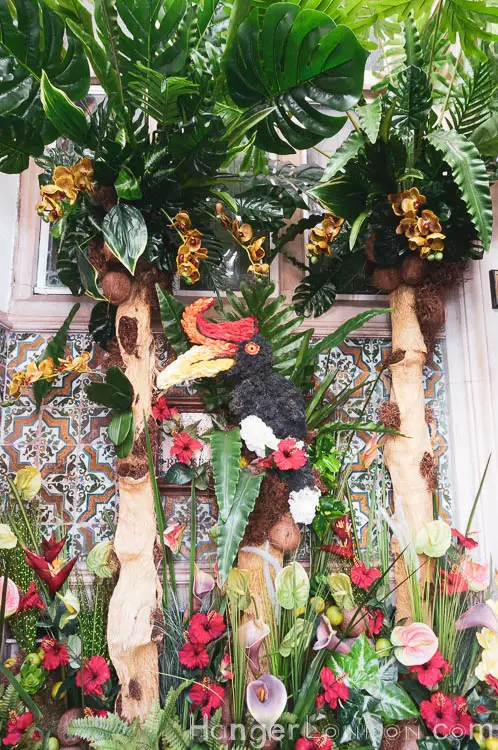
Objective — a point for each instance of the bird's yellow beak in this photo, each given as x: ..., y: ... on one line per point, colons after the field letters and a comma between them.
x: 198, y: 362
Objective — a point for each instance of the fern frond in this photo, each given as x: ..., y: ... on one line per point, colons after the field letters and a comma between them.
x: 98, y: 730
x: 470, y: 104
x: 8, y: 702
x: 157, y: 95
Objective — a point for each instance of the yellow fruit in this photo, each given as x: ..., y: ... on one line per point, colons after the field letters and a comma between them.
x: 318, y: 604
x: 491, y: 743
x: 335, y: 615
x: 56, y: 695
x: 53, y: 744
x: 383, y: 646
x: 34, y: 659
x: 479, y: 737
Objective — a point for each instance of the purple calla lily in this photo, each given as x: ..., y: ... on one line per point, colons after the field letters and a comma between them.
x: 479, y: 616
x: 266, y: 700
x: 251, y: 635
x: 326, y: 638
x: 204, y: 583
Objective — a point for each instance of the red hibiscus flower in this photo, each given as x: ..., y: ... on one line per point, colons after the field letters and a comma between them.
x: 342, y: 528
x: 30, y: 599
x: 289, y: 456
x: 95, y: 673
x: 453, y: 582
x: 320, y: 701
x: 208, y: 696
x: 466, y: 541
x: 16, y: 726
x: 161, y: 410
x: 334, y: 689
x: 492, y: 681
x: 430, y: 673
x: 362, y: 576
x: 317, y: 742
x: 205, y: 628
x: 193, y: 656
x: 184, y: 446
x: 54, y: 654
x: 465, y: 722
x: 340, y: 549
x: 439, y: 714
x: 375, y: 621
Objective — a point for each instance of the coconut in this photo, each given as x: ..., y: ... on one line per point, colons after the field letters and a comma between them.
x: 429, y: 307
x: 116, y: 286
x: 360, y: 622
x: 403, y: 735
x: 285, y: 535
x: 387, y: 279
x: 67, y: 717
x: 413, y: 270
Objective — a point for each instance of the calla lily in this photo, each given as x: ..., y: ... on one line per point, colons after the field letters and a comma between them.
x: 415, y: 644
x: 326, y: 637
x: 8, y: 539
x: 173, y: 535
x: 72, y: 608
x: 266, y: 700
x: 12, y: 597
x: 204, y: 583
x: 53, y: 573
x: 479, y: 616
x: 251, y: 635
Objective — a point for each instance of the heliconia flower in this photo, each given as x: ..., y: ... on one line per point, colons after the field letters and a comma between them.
x: 193, y: 656
x: 430, y: 673
x: 415, y: 644
x: 54, y: 575
x: 207, y: 695
x: 51, y: 547
x: 251, y: 636
x: 96, y: 672
x: 55, y: 654
x: 364, y: 577
x: 370, y: 453
x: 28, y: 482
x: 31, y: 599
x: 433, y: 539
x: 204, y: 628
x: 184, y: 446
x: 476, y: 574
x: 266, y: 700
x: 326, y: 637
x: 204, y: 583
x: 479, y: 616
x: 161, y: 411
x: 466, y: 541
x: 316, y: 742
x: 225, y: 667
x: 173, y: 535
x: 16, y: 726
x: 12, y: 597
x: 8, y: 539
x: 342, y: 528
x: 289, y: 456
x: 341, y: 548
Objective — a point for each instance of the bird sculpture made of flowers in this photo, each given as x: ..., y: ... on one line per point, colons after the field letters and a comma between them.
x: 269, y: 408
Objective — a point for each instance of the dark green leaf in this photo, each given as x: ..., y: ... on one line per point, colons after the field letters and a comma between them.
x: 125, y: 234
x: 178, y: 474
x: 346, y: 151
x: 67, y: 118
x: 171, y: 311
x: 370, y: 116
x: 485, y: 137
x: 120, y: 426
x: 314, y: 295
x: 344, y: 195
x: 226, y: 448
x: 124, y: 449
x: 127, y: 185
x: 337, y: 337
x: 413, y: 98
x: 434, y: 743
x: 107, y: 395
x: 116, y: 377
x: 102, y: 325
x: 18, y: 141
x: 56, y: 349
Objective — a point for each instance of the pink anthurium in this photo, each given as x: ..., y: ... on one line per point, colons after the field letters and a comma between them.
x: 266, y: 700
x: 415, y: 644
x: 251, y: 636
x: 479, y: 616
x: 326, y: 638
x: 173, y: 535
x: 12, y: 597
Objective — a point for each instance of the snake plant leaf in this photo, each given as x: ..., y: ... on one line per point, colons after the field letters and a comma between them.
x: 469, y: 174
x: 226, y: 448
x: 296, y: 60
x: 32, y: 40
x: 18, y: 141
x: 232, y: 530
x: 125, y: 234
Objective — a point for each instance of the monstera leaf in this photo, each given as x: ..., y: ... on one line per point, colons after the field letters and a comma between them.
x: 32, y: 40
x: 18, y: 141
x: 298, y: 61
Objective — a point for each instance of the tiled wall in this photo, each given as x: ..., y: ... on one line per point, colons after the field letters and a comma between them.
x: 67, y: 439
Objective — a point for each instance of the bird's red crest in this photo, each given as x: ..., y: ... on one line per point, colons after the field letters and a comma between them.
x: 201, y: 331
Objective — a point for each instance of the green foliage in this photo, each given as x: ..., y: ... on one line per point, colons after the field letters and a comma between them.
x: 69, y: 120
x: 9, y: 701
x: 370, y: 116
x: 314, y: 295
x: 469, y: 173
x: 226, y: 447
x: 92, y: 617
x: 158, y: 95
x: 171, y: 311
x: 294, y: 59
x: 125, y: 234
x: 55, y: 349
x: 32, y: 41
x: 350, y: 147
x: 412, y: 96
x: 19, y: 140
x: 470, y: 103
x: 102, y: 324
x: 485, y: 137
x: 116, y: 393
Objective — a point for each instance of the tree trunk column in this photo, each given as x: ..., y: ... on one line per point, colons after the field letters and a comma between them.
x: 405, y: 457
x: 136, y: 598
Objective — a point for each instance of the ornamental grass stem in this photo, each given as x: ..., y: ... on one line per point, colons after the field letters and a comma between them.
x: 193, y: 542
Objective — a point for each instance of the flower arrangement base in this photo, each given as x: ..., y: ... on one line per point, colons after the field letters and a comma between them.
x: 402, y: 736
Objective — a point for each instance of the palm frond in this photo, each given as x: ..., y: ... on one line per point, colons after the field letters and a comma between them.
x: 158, y: 95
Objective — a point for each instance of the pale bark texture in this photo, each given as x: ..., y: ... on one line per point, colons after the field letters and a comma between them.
x: 403, y: 455
x: 261, y: 607
x: 134, y: 605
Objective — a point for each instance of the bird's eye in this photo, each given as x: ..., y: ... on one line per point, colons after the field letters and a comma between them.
x: 252, y: 348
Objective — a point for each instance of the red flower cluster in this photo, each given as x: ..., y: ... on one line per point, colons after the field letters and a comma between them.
x: 445, y: 715
x: 493, y: 682
x: 466, y: 541
x: 317, y: 742
x: 96, y: 672
x: 362, y: 576
x: 342, y: 549
x: 161, y: 410
x: 430, y: 673
x: 375, y: 621
x: 453, y: 582
x: 16, y: 726
x: 203, y: 628
x: 55, y: 654
x: 184, y: 446
x: 208, y: 696
x: 342, y: 528
x: 334, y: 689
x: 288, y: 457
x: 30, y: 599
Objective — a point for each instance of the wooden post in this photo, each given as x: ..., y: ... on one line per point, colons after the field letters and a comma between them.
x: 136, y: 599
